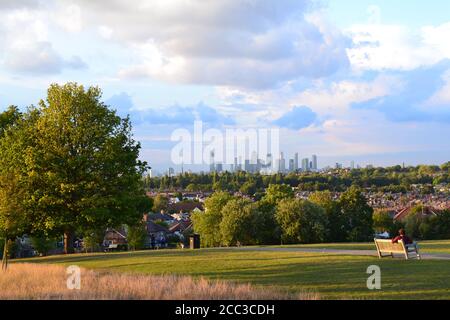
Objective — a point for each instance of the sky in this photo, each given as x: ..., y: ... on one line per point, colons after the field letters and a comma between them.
x: 360, y: 80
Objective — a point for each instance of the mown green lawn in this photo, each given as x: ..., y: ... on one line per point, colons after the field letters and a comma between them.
x: 332, y: 276
x: 438, y: 246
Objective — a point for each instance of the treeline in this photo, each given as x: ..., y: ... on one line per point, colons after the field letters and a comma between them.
x: 392, y: 179
x: 416, y: 224
x: 279, y: 217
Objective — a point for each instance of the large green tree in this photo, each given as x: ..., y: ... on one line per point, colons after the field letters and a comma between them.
x: 160, y: 203
x: 266, y: 228
x: 277, y: 192
x: 136, y: 235
x: 14, y: 138
x: 384, y: 222
x: 82, y: 164
x: 301, y: 221
x: 237, y: 226
x: 207, y: 223
x: 8, y: 118
x: 336, y: 225
x: 357, y: 221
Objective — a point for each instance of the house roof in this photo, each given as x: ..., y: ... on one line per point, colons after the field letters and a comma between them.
x: 159, y: 216
x: 406, y: 211
x: 180, y: 226
x: 152, y: 227
x: 185, y: 206
x: 120, y: 232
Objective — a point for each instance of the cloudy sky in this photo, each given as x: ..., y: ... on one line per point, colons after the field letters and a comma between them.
x: 358, y: 80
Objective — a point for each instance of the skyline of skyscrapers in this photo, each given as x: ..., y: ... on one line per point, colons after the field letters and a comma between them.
x: 269, y: 165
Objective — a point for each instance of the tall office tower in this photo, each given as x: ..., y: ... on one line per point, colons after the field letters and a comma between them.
x: 247, y: 166
x: 352, y: 165
x: 291, y: 165
x: 276, y: 165
x: 212, y: 166
x: 282, y: 163
x: 239, y: 168
x: 219, y: 167
x: 314, y: 162
x: 236, y: 168
x: 254, y: 162
x: 254, y: 159
x: 296, y: 167
x: 305, y: 164
x: 171, y: 172
x: 269, y: 160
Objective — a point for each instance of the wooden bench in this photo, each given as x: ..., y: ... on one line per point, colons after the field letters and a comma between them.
x: 388, y: 248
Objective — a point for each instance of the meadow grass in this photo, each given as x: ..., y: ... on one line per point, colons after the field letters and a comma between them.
x: 332, y: 276
x: 49, y: 282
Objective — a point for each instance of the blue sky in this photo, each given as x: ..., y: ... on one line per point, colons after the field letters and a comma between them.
x: 347, y: 80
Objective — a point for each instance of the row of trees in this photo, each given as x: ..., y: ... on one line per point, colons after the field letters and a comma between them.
x: 280, y: 217
x: 416, y: 224
x: 69, y: 165
x: 392, y: 179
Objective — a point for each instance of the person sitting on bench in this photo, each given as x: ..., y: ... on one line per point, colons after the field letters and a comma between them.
x: 402, y: 236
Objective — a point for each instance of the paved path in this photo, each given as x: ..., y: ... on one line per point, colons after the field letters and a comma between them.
x: 426, y: 256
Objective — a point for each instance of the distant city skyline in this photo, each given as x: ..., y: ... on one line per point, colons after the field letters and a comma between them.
x: 328, y: 164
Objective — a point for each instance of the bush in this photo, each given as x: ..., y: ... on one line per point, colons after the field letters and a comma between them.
x: 136, y: 236
x: 43, y: 244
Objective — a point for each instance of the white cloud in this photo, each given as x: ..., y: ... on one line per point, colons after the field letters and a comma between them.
x: 336, y: 98
x: 35, y: 57
x: 440, y: 100
x: 383, y: 47
x: 68, y: 17
x: 25, y: 43
x: 224, y: 42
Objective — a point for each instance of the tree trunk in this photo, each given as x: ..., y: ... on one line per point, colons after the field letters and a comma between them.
x: 5, y: 255
x: 68, y: 242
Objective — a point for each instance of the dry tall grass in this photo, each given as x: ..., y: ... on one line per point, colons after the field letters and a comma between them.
x: 48, y: 282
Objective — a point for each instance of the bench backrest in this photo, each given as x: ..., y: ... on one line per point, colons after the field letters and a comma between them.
x: 387, y: 246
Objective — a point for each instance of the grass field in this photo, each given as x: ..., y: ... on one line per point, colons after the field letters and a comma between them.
x: 332, y: 276
x: 440, y: 246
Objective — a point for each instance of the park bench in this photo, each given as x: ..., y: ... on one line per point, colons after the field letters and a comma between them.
x: 385, y: 248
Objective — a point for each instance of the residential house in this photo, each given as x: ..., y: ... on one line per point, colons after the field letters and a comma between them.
x: 115, y: 237
x: 405, y: 212
x: 156, y: 234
